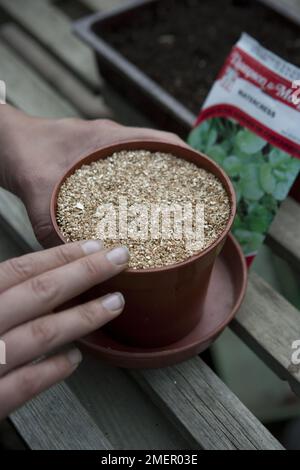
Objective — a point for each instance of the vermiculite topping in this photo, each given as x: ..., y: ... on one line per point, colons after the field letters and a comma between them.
x: 123, y: 192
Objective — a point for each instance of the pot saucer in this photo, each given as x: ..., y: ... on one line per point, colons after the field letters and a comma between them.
x: 224, y: 297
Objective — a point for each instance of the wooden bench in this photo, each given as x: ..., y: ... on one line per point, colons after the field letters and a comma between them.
x: 182, y: 407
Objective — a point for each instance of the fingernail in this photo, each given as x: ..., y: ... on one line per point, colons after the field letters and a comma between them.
x: 92, y: 246
x: 113, y: 302
x: 75, y: 357
x: 118, y: 255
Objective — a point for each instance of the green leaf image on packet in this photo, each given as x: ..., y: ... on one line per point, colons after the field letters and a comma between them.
x: 250, y: 125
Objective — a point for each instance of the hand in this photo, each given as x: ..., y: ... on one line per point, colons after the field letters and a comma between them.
x: 40, y: 150
x: 32, y: 287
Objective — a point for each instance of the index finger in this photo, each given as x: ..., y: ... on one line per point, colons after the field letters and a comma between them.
x: 18, y: 270
x: 42, y: 294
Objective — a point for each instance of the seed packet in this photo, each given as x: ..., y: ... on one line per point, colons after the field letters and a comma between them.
x: 250, y: 125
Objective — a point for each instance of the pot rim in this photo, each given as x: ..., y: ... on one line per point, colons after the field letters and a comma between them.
x: 110, y: 149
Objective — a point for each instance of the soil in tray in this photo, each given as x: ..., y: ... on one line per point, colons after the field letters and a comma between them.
x: 182, y: 44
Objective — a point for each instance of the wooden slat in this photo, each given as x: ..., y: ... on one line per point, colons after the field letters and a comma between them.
x: 9, y: 248
x: 57, y: 75
x: 284, y: 234
x: 56, y: 420
x: 104, y: 5
x: 288, y: 8
x: 269, y: 325
x: 53, y: 29
x: 204, y: 409
x: 27, y: 91
x: 124, y: 413
x: 14, y: 215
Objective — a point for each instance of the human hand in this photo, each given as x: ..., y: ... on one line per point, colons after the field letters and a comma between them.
x: 31, y: 288
x: 40, y: 150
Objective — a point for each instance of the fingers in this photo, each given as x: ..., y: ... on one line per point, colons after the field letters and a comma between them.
x: 151, y: 134
x: 45, y: 334
x: 43, y: 228
x: 17, y: 270
x: 136, y: 133
x: 22, y: 385
x: 105, y: 132
x: 42, y: 294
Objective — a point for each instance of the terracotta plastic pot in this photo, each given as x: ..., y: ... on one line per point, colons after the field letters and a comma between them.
x: 162, y: 304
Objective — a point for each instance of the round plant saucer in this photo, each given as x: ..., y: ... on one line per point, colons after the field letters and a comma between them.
x: 226, y: 291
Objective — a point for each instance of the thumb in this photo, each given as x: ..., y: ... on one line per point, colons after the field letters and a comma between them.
x: 44, y: 231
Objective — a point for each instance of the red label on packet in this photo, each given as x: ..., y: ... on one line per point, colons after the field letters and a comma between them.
x: 250, y: 125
